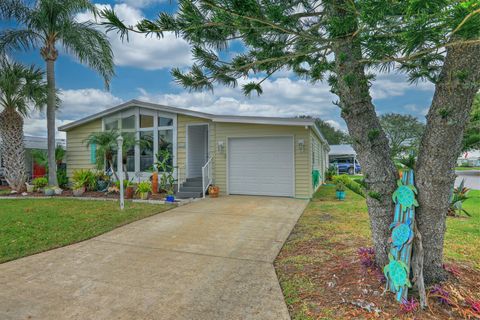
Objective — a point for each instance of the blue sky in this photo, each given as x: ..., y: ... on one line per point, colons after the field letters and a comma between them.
x: 143, y: 72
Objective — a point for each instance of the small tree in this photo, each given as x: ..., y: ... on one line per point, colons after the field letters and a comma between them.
x: 20, y: 87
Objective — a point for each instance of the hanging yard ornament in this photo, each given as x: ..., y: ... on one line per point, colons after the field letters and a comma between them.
x: 397, y: 271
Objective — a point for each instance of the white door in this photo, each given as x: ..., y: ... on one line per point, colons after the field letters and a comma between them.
x: 197, y: 149
x: 261, y: 166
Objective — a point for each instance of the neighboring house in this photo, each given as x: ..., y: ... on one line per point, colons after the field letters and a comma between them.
x: 469, y: 158
x: 32, y: 143
x: 241, y: 155
x: 343, y: 156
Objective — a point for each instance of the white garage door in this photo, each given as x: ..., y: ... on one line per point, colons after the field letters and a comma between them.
x: 261, y: 166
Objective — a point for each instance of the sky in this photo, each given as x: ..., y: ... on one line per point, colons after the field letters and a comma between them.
x: 143, y: 67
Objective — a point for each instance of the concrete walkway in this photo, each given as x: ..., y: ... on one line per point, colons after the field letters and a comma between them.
x: 211, y: 259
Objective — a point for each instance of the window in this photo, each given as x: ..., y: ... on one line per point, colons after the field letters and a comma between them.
x: 128, y: 122
x: 165, y: 142
x: 146, y: 150
x: 146, y: 121
x: 111, y: 124
x: 165, y: 122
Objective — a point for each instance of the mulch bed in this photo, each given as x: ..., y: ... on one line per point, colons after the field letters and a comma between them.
x: 346, y: 285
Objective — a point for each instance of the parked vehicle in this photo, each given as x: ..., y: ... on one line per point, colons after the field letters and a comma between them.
x: 346, y: 166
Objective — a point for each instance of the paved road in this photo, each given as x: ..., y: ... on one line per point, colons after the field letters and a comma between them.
x: 210, y: 259
x: 472, y: 179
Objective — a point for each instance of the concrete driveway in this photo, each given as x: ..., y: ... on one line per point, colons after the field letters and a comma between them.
x: 211, y: 259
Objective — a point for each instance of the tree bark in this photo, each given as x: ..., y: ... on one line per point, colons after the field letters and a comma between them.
x: 51, y: 108
x: 13, y: 148
x: 439, y: 148
x: 370, y: 141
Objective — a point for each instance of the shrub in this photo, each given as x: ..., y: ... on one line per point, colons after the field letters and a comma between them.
x: 459, y: 195
x: 144, y: 187
x: 350, y: 184
x: 85, y: 178
x: 331, y: 171
x: 62, y: 178
x: 40, y: 183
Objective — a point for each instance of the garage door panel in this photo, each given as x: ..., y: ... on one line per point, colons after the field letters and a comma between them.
x: 261, y: 166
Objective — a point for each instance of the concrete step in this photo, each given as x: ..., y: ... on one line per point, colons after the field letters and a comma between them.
x: 188, y: 195
x: 190, y: 189
x: 194, y: 179
x: 195, y: 184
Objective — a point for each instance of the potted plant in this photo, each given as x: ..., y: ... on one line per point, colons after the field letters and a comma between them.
x: 340, y: 190
x: 78, y: 189
x: 129, y: 190
x: 167, y: 180
x: 49, y: 191
x: 143, y: 189
x: 213, y: 191
x: 40, y: 183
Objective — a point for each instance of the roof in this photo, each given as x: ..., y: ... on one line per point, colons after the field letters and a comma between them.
x: 209, y: 116
x: 34, y: 142
x: 341, y: 150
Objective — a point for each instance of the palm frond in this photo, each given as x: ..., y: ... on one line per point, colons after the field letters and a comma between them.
x: 19, y: 39
x: 14, y: 9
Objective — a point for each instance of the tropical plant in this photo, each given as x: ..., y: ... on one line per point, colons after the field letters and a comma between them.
x: 62, y: 177
x: 330, y: 172
x: 84, y: 178
x: 342, y: 41
x: 144, y: 187
x: 40, y: 183
x: 459, y: 195
x: 340, y: 186
x: 20, y: 87
x: 59, y: 155
x: 45, y: 23
x: 40, y: 157
x: 163, y: 165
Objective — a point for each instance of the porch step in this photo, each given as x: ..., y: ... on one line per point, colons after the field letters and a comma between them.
x: 190, y: 189
x: 188, y: 195
x: 194, y: 179
x: 194, y: 184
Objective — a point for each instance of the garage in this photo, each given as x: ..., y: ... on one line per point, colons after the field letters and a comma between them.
x: 261, y: 166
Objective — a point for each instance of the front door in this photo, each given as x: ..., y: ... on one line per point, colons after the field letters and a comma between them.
x: 197, y: 149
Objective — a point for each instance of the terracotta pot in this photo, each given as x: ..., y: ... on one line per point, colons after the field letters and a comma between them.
x: 155, y: 182
x: 129, y: 191
x: 213, y: 191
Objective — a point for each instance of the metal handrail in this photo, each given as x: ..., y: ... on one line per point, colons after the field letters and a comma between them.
x: 206, y: 173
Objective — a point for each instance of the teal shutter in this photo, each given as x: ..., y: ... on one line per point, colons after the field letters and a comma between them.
x: 93, y: 153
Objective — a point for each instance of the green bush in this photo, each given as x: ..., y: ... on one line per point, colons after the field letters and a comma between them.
x: 40, y: 183
x: 85, y: 178
x: 350, y: 184
x: 144, y: 187
x: 62, y: 177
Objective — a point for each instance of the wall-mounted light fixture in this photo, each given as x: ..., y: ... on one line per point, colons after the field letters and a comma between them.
x: 220, y: 146
x: 301, y: 145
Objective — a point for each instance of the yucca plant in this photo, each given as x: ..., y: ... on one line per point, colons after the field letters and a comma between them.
x: 459, y: 195
x: 20, y: 88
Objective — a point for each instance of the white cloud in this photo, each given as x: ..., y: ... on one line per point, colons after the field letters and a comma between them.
x: 395, y: 85
x: 149, y: 53
x: 334, y: 124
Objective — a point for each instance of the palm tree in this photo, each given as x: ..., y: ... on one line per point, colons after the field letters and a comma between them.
x: 20, y: 87
x: 46, y: 24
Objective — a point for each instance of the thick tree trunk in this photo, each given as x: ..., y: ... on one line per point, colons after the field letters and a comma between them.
x: 370, y: 141
x: 439, y: 149
x: 13, y: 148
x: 51, y: 108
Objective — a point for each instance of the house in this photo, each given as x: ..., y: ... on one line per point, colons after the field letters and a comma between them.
x: 240, y: 154
x: 344, y: 158
x: 469, y: 159
x: 33, y: 169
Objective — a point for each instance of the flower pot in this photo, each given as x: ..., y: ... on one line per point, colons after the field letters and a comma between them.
x: 78, y: 192
x: 30, y: 188
x: 341, y: 195
x: 129, y: 191
x: 213, y: 191
x: 170, y: 198
x: 49, y: 192
x: 102, y: 185
x: 144, y: 195
x: 58, y: 191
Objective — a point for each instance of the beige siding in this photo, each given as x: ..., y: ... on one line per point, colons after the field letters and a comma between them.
x: 223, y: 131
x: 78, y: 155
x: 320, y: 154
x: 182, y: 122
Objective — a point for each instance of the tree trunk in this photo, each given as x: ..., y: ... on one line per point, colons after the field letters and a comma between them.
x: 51, y: 108
x: 370, y: 141
x: 13, y: 148
x: 439, y: 149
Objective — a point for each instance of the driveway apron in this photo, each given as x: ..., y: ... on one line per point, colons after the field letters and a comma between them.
x: 210, y: 259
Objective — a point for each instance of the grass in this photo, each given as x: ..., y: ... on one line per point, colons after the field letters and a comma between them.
x: 29, y: 226
x: 466, y: 168
x: 331, y: 230
x: 4, y: 192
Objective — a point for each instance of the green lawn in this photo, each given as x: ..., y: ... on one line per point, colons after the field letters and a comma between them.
x: 29, y: 226
x: 466, y: 168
